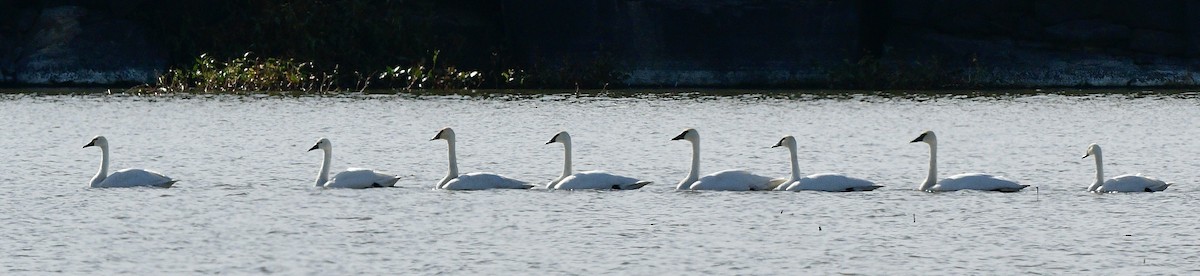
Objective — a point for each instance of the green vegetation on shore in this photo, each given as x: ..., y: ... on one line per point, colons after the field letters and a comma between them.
x: 323, y: 46
x: 250, y: 73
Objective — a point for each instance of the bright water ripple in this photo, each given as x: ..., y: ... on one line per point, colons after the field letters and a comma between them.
x: 245, y: 205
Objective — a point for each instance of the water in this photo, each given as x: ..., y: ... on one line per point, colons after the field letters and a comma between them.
x: 245, y: 204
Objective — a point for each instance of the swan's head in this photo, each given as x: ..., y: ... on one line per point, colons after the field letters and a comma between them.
x: 1093, y: 149
x: 322, y: 144
x: 787, y: 141
x: 561, y: 137
x: 928, y: 137
x: 98, y: 141
x: 688, y: 134
x: 445, y: 134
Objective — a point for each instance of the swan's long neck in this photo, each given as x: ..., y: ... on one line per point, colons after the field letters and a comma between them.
x: 931, y: 179
x: 566, y: 164
x: 103, y: 173
x: 1099, y: 173
x: 323, y: 176
x: 452, y: 172
x: 694, y: 174
x: 795, y: 164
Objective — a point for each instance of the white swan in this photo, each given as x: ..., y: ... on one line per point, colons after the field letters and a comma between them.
x: 1124, y: 183
x: 126, y: 177
x: 966, y: 181
x: 588, y: 179
x: 352, y: 178
x: 727, y: 180
x: 829, y: 182
x: 472, y: 181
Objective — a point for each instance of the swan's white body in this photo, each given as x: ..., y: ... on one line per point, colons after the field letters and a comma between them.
x: 1128, y: 183
x: 730, y: 180
x: 829, y: 182
x: 966, y: 181
x: 126, y: 177
x: 600, y: 180
x: 483, y: 181
x: 132, y: 177
x: 352, y: 178
x: 472, y: 181
x: 727, y: 180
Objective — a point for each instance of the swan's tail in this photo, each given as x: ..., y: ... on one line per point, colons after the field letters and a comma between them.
x: 634, y: 186
x: 391, y: 182
x: 867, y: 188
x: 1158, y: 188
x: 1011, y: 190
x: 774, y: 184
x: 172, y: 182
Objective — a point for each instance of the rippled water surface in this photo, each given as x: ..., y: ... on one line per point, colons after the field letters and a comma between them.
x: 245, y: 202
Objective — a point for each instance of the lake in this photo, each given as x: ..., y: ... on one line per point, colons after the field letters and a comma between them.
x: 245, y: 203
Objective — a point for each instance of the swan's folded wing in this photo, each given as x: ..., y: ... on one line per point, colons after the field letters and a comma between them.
x: 1132, y: 183
x: 832, y: 182
x: 732, y: 180
x: 978, y: 181
x: 483, y: 181
x: 354, y: 178
x: 135, y: 178
x: 598, y: 180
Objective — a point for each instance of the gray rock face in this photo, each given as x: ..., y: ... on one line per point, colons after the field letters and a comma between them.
x: 70, y: 45
x: 1157, y: 42
x: 1089, y: 33
x: 691, y: 43
x: 1192, y: 28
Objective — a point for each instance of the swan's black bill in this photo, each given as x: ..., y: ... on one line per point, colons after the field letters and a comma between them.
x: 680, y: 136
x: 780, y: 144
x: 554, y: 139
x: 314, y: 147
x: 919, y: 138
x: 438, y: 136
x: 93, y: 143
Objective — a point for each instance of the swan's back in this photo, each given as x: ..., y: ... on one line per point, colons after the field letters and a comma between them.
x: 599, y: 180
x: 1131, y: 183
x: 831, y: 182
x: 977, y: 181
x: 733, y: 180
x: 484, y: 181
x: 136, y: 178
x: 358, y: 178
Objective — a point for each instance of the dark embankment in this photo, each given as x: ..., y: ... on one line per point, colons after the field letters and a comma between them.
x: 874, y: 44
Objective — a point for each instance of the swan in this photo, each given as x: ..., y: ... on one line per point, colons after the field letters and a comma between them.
x: 353, y: 178
x: 829, y: 182
x: 966, y: 181
x: 727, y: 180
x: 472, y: 181
x: 1124, y: 183
x: 126, y: 177
x: 587, y: 179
